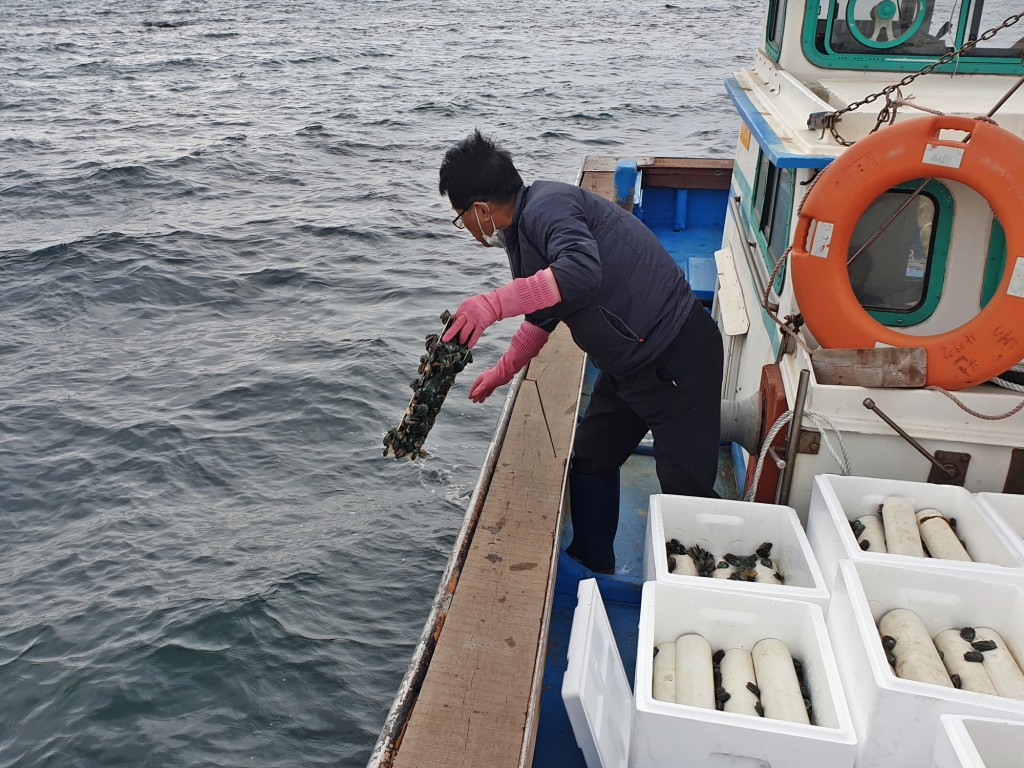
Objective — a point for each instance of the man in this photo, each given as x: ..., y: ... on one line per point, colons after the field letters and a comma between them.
x: 580, y: 259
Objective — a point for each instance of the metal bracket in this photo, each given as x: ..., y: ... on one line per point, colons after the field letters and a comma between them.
x: 787, y: 342
x: 1015, y: 474
x: 809, y: 441
x: 951, y: 468
x: 819, y: 121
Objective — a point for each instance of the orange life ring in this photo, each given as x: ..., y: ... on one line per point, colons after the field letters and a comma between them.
x: 992, y: 163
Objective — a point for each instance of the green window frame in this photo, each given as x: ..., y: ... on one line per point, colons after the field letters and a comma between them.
x: 776, y: 23
x: 771, y: 209
x: 995, y: 262
x: 817, y: 35
x: 768, y: 216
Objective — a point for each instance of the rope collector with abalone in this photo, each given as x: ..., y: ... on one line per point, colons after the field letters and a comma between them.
x: 437, y: 371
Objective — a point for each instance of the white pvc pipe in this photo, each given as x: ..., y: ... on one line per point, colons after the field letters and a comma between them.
x: 777, y: 680
x: 973, y: 676
x: 916, y: 656
x: 695, y: 676
x: 766, y: 575
x: 684, y: 565
x: 901, y: 534
x: 721, y: 573
x: 664, y: 672
x: 1001, y: 666
x: 939, y: 537
x: 873, y: 533
x: 737, y: 668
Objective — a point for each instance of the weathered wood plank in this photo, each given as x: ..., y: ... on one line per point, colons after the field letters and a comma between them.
x: 600, y: 183
x: 693, y: 177
x: 472, y: 708
x: 674, y: 173
x: 882, y: 367
x: 607, y: 163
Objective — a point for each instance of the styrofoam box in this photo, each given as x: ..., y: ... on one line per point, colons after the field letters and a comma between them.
x: 897, y: 720
x: 668, y: 734
x: 1007, y: 513
x: 837, y: 500
x: 979, y: 742
x: 722, y: 526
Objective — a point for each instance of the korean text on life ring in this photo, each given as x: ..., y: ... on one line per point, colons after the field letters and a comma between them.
x: 992, y: 163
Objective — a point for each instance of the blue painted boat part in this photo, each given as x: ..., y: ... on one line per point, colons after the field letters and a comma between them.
x: 626, y: 175
x: 767, y: 138
x: 689, y: 223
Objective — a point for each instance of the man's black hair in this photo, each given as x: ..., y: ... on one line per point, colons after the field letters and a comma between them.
x: 477, y: 169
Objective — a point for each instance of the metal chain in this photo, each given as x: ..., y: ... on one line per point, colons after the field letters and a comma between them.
x: 886, y: 114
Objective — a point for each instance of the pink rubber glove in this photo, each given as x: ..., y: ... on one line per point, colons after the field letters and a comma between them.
x: 520, y: 297
x: 526, y: 343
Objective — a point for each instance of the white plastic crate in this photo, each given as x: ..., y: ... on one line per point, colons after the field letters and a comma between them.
x: 722, y: 526
x: 664, y: 735
x: 978, y: 742
x: 837, y: 500
x: 897, y: 720
x: 730, y: 620
x: 1007, y: 513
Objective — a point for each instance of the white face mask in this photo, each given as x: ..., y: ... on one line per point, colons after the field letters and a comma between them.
x: 496, y: 238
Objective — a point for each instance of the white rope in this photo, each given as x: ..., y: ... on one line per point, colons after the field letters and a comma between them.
x: 1007, y: 384
x: 977, y: 414
x: 906, y: 102
x: 840, y: 456
x: 1018, y: 368
x: 782, y: 421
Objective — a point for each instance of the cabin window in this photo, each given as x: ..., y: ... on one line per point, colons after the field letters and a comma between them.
x: 773, y: 32
x: 773, y: 202
x: 897, y: 276
x: 904, y: 34
x: 988, y: 15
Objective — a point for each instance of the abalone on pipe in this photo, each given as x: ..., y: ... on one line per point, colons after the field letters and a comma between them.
x: 437, y: 371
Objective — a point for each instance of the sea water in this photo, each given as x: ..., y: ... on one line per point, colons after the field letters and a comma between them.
x: 221, y: 246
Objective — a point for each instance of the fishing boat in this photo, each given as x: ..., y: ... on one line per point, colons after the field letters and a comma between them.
x: 861, y: 254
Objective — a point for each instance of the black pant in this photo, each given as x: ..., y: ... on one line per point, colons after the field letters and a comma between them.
x: 678, y: 398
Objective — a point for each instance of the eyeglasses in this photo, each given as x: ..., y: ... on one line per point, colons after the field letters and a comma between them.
x: 457, y: 221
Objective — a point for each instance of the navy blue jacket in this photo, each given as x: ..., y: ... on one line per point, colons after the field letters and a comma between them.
x: 623, y: 297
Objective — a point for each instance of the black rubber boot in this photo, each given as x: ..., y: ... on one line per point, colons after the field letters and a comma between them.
x: 594, y: 500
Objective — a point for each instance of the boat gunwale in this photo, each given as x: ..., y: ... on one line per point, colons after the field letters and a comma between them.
x: 390, y: 738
